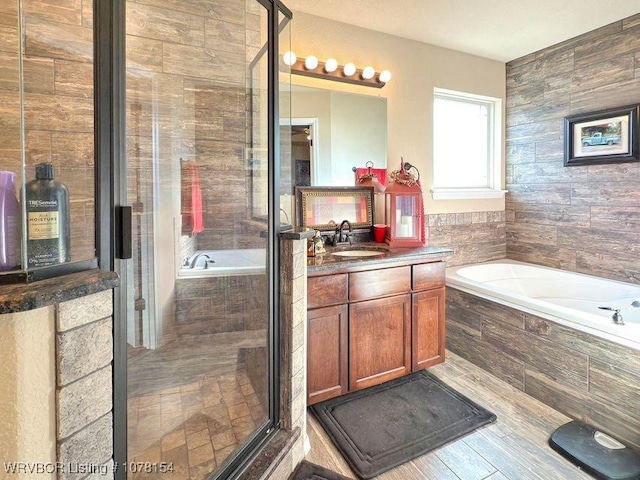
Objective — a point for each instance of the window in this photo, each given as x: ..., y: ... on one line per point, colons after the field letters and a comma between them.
x: 467, y: 153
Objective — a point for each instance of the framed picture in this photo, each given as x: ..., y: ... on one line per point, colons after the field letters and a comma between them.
x: 608, y: 136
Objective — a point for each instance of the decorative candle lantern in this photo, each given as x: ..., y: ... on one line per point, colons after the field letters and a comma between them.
x: 370, y: 179
x: 404, y: 209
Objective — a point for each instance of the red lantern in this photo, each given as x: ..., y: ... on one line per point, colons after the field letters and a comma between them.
x: 370, y: 179
x: 404, y: 209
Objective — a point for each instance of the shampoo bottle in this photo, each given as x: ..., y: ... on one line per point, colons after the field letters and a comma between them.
x: 10, y: 224
x: 47, y: 219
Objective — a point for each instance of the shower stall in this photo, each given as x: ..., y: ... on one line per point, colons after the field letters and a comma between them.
x: 204, y: 119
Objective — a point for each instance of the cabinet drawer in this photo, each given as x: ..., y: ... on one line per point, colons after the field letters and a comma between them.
x: 428, y: 275
x: 379, y: 283
x: 327, y: 290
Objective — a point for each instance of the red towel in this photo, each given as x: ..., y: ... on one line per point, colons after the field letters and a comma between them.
x: 380, y: 173
x: 191, y: 202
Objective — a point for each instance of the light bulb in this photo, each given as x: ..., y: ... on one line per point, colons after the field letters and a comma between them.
x: 349, y: 69
x: 368, y: 73
x: 385, y: 76
x: 331, y: 65
x: 311, y: 62
x: 289, y: 58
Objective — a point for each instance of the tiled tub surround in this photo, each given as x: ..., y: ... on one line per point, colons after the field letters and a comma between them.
x: 220, y: 304
x: 57, y: 348
x: 473, y: 236
x: 579, y: 374
x: 583, y: 218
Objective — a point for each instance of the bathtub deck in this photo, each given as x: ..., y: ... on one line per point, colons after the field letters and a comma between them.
x: 514, y: 447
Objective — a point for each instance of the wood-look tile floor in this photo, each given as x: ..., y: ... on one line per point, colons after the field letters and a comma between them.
x: 514, y: 447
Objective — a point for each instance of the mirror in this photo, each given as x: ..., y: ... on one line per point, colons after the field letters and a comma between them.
x: 332, y: 132
x: 324, y: 208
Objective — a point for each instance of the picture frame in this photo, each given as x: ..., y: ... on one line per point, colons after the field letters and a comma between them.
x: 606, y: 136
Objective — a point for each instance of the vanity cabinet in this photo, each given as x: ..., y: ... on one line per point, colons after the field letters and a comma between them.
x: 368, y: 326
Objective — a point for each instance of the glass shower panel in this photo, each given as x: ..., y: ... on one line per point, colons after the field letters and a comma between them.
x: 287, y: 166
x: 198, y: 304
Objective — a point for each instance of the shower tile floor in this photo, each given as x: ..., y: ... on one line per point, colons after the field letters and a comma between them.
x: 192, y: 422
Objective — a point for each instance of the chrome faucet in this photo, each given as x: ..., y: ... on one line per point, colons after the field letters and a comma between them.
x: 194, y: 260
x: 342, y: 237
x: 616, y: 317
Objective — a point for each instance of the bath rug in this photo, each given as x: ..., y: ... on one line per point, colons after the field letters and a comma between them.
x: 311, y: 471
x: 381, y: 427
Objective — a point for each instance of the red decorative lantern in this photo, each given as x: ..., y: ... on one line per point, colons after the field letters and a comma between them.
x: 370, y: 179
x: 404, y: 209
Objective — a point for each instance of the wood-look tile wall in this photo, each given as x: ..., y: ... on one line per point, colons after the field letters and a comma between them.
x: 581, y: 218
x: 57, y: 46
x: 473, y: 236
x: 186, y: 80
x: 221, y: 304
x: 579, y: 374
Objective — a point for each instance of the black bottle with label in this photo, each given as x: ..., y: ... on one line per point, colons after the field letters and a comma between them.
x: 47, y: 204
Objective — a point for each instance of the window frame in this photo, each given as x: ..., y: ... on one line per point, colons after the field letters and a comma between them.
x: 493, y: 188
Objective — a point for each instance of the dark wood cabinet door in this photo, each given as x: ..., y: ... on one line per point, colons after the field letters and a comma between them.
x: 379, y: 340
x: 427, y: 328
x: 327, y: 350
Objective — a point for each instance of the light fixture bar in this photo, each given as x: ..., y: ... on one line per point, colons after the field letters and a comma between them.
x: 299, y: 68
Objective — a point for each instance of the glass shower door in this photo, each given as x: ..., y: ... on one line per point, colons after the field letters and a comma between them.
x: 198, y: 303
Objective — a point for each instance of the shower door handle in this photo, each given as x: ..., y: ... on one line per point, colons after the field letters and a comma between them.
x: 123, y: 227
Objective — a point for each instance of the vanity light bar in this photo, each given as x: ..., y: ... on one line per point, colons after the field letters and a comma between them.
x: 330, y: 70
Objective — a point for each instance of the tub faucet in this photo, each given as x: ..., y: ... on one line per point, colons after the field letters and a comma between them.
x: 616, y: 317
x: 635, y: 303
x: 343, y: 238
x: 194, y: 261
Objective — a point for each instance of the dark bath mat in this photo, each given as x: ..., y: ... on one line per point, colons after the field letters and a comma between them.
x: 311, y: 471
x: 384, y: 426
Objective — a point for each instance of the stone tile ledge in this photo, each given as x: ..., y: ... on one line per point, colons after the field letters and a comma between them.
x: 23, y: 297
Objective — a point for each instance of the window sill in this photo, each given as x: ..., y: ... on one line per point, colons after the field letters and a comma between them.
x: 465, y: 193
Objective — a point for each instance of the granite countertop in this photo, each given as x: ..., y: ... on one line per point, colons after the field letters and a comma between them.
x: 20, y: 297
x: 327, y: 263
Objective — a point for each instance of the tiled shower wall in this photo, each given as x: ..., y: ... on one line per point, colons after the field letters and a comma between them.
x: 57, y: 61
x: 186, y: 70
x: 582, y: 218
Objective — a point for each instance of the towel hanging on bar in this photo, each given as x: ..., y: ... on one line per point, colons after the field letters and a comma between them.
x: 191, y: 198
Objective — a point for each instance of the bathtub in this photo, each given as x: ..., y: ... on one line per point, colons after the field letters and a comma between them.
x: 567, y: 298
x: 225, y: 263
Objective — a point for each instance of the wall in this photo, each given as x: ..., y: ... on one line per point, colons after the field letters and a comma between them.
x: 187, y: 100
x: 473, y: 236
x: 27, y: 388
x: 581, y: 218
x: 57, y: 96
x: 56, y: 398
x: 416, y: 68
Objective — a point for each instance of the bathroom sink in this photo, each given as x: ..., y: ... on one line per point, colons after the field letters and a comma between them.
x: 358, y: 253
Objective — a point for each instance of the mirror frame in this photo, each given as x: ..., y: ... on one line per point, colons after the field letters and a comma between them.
x: 303, y: 194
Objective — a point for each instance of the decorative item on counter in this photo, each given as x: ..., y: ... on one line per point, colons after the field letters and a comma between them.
x: 10, y: 224
x: 48, y: 239
x: 379, y: 232
x: 404, y: 208
x: 370, y: 177
x: 311, y: 247
x: 319, y: 243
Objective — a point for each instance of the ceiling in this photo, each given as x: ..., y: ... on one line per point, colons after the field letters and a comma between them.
x: 498, y: 29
